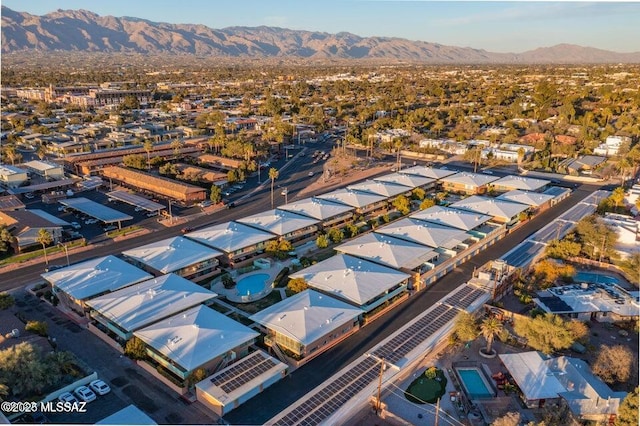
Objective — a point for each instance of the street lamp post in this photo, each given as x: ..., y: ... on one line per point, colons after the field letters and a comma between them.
x: 66, y: 251
x: 286, y: 195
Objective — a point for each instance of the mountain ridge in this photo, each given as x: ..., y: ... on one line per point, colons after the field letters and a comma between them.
x: 82, y: 30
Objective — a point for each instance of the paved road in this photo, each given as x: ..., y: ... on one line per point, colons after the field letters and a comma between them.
x: 284, y: 393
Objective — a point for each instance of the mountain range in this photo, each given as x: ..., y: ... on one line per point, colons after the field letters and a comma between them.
x: 85, y: 31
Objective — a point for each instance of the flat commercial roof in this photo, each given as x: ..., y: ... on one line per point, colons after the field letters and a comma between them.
x: 278, y: 222
x: 129, y: 415
x: 348, y: 277
x: 96, y: 210
x: 521, y: 182
x: 428, y: 172
x: 196, y: 336
x: 42, y: 165
x: 317, y: 208
x: 351, y: 198
x: 381, y: 188
x: 230, y: 236
x: 141, y: 304
x: 425, y: 233
x: 136, y: 200
x: 408, y: 180
x: 533, y: 199
x: 388, y: 251
x: 454, y: 218
x: 307, y: 316
x: 490, y: 206
x: 171, y: 254
x: 96, y: 276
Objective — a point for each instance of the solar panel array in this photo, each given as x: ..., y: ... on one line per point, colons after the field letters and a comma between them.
x: 321, y: 405
x: 406, y: 341
x: 464, y: 297
x: 242, y: 372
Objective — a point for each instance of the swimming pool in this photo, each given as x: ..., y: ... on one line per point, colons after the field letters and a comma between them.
x: 590, y: 277
x: 474, y: 384
x: 251, y: 284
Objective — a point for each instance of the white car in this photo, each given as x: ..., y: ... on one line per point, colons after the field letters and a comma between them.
x: 85, y: 394
x: 100, y: 387
x: 75, y: 225
x: 67, y: 397
x: 310, y: 173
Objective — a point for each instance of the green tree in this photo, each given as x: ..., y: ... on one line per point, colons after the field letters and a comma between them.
x: 322, y: 241
x: 216, y: 194
x: 335, y: 235
x: 628, y: 410
x: 135, y: 349
x: 562, y: 249
x: 196, y: 376
x: 549, y: 271
x: 285, y: 246
x: 617, y: 196
x: 614, y: 364
x: 466, y: 329
x: 512, y: 418
x: 297, y: 285
x: 490, y: 328
x: 431, y: 373
x: 41, y: 152
x: 426, y: 203
x: 6, y: 239
x: 401, y: 203
x: 227, y: 281
x: 273, y: 175
x: 136, y: 161
x: 23, y: 371
x: 38, y: 327
x: 44, y: 238
x: 6, y: 300
x: 546, y: 333
x: 352, y: 229
x: 176, y: 145
x: 418, y: 194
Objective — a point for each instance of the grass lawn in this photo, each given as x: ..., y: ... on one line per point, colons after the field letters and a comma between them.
x: 423, y: 390
x: 258, y: 305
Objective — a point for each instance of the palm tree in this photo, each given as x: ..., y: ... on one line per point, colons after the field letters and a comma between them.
x: 148, y: 146
x: 273, y: 175
x: 490, y: 328
x: 44, y: 238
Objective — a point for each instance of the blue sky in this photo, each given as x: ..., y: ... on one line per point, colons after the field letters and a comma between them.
x: 514, y: 26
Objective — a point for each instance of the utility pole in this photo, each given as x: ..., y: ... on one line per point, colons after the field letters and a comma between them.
x: 170, y: 214
x: 379, y: 402
x: 437, y: 412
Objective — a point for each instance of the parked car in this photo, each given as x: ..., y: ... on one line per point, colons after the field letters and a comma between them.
x: 186, y: 229
x: 152, y: 214
x: 85, y: 394
x: 310, y: 173
x: 75, y: 225
x: 100, y: 387
x: 205, y: 203
x: 53, y: 268
x: 61, y: 208
x: 109, y: 228
x: 67, y: 397
x: 29, y: 195
x: 284, y: 191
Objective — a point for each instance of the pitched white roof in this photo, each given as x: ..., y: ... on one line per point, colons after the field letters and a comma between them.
x: 532, y: 375
x: 411, y: 181
x: 428, y: 172
x: 350, y: 278
x: 388, y: 251
x: 381, y: 188
x: 144, y: 303
x: 278, y: 222
x: 534, y: 199
x: 521, y: 182
x: 194, y: 337
x: 446, y: 216
x: 171, y: 254
x: 472, y: 179
x: 352, y: 198
x: 491, y: 206
x: 307, y: 316
x: 230, y: 236
x: 96, y: 276
x: 316, y: 208
x: 425, y: 233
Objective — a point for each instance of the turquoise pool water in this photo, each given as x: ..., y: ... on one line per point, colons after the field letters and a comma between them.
x: 473, y: 384
x: 590, y: 277
x: 252, y: 284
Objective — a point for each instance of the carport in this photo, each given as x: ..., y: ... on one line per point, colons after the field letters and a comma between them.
x: 136, y: 200
x: 96, y: 210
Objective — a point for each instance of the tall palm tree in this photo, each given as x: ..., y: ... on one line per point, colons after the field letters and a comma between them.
x: 44, y: 238
x: 148, y: 146
x: 489, y: 328
x: 273, y: 175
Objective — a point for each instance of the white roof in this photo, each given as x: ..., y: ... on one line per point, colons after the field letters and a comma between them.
x: 532, y: 375
x: 521, y: 182
x: 129, y: 415
x: 409, y: 180
x: 534, y: 199
x: 491, y: 206
x: 230, y: 236
x: 380, y: 188
x: 8, y: 170
x: 41, y: 165
x: 51, y: 218
x: 472, y: 179
x: 316, y: 208
x: 307, y: 316
x: 350, y: 278
x: 352, y: 198
x: 425, y: 233
x: 428, y: 172
x: 171, y: 254
x: 96, y: 276
x: 388, y: 251
x: 194, y: 337
x: 446, y: 216
x: 144, y: 303
x: 278, y: 222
